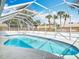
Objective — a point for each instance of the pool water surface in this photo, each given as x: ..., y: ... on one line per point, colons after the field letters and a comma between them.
x: 54, y: 47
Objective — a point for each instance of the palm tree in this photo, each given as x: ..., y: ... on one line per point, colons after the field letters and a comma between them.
x: 54, y: 18
x: 49, y: 17
x: 60, y: 14
x: 65, y: 16
x: 36, y: 23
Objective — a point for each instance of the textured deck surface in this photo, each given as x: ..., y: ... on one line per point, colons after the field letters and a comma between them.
x: 21, y: 53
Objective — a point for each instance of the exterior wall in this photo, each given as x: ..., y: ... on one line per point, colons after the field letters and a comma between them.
x: 73, y: 29
x: 46, y: 28
x: 3, y: 27
x: 64, y: 29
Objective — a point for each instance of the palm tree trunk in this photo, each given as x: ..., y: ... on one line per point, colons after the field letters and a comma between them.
x: 64, y: 23
x: 49, y: 25
x: 54, y: 25
x: 60, y: 24
x: 54, y: 22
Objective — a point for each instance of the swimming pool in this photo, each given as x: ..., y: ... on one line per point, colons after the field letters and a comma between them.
x: 51, y: 46
x: 17, y: 43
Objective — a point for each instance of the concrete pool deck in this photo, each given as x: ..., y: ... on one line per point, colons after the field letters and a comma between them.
x: 51, y: 35
x: 22, y: 53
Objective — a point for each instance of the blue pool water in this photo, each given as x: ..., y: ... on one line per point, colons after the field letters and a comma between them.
x: 51, y: 46
x: 17, y: 43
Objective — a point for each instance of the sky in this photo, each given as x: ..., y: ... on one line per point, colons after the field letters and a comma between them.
x: 53, y: 5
